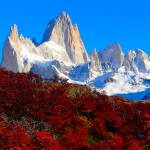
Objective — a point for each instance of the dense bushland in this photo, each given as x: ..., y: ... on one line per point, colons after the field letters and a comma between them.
x: 37, y: 115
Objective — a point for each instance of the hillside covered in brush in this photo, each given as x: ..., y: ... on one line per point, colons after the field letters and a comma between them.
x: 37, y: 114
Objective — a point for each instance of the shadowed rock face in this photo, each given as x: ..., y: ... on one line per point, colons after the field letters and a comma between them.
x: 95, y: 60
x: 129, y: 61
x: 62, y: 32
x: 112, y: 55
x: 137, y: 61
x: 110, y: 79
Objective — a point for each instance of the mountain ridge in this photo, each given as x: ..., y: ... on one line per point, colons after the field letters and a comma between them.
x: 62, y: 52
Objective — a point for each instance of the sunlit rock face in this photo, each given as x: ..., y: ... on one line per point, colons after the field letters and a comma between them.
x: 62, y: 32
x: 95, y: 60
x: 11, y: 51
x: 21, y: 55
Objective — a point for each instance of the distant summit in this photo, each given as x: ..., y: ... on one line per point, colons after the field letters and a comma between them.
x: 62, y: 32
x: 63, y: 19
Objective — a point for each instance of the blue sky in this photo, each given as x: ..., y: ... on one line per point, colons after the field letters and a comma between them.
x: 100, y: 22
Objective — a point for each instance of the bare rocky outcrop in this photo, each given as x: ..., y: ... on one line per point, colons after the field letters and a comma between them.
x: 95, y: 60
x: 129, y: 61
x: 142, y: 61
x: 112, y: 55
x: 62, y: 32
x: 11, y: 51
x: 137, y: 61
x: 110, y: 78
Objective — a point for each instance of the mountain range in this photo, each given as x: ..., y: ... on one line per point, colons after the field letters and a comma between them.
x: 62, y: 52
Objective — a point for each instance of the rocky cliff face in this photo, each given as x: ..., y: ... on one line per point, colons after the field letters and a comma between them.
x: 95, y: 60
x: 112, y: 55
x: 142, y: 61
x: 61, y: 42
x: 62, y: 32
x: 137, y: 61
x: 11, y: 51
x: 62, y: 53
x: 21, y: 55
x: 129, y: 61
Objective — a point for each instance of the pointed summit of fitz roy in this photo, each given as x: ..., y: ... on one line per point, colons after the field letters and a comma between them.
x: 14, y: 33
x: 62, y: 32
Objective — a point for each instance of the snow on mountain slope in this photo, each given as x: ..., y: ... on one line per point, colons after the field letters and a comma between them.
x: 21, y: 55
x: 45, y: 52
x: 62, y: 53
x: 80, y: 72
x: 124, y: 83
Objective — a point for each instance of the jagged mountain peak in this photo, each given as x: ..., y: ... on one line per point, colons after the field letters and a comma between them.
x: 64, y: 15
x: 62, y: 22
x: 94, y: 51
x: 140, y: 52
x: 13, y: 34
x: 13, y: 28
x: 137, y: 61
x: 115, y: 46
x: 62, y: 32
x: 95, y: 60
x: 62, y: 52
x: 94, y: 55
x: 130, y: 55
x: 63, y: 18
x: 137, y: 51
x: 112, y: 55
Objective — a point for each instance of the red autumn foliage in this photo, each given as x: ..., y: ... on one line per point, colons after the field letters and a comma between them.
x: 55, y: 116
x: 75, y: 139
x: 43, y: 140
